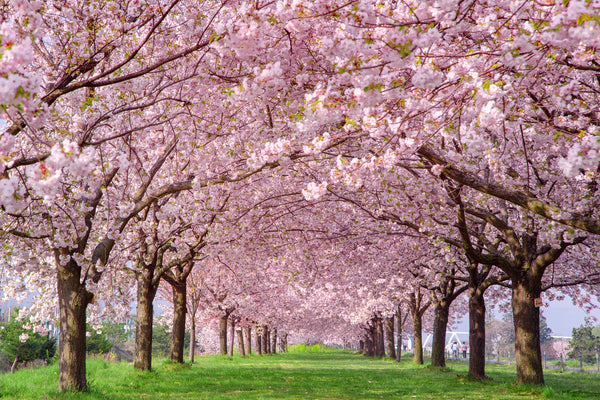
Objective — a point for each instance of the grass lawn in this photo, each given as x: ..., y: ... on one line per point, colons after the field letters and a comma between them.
x: 300, y: 375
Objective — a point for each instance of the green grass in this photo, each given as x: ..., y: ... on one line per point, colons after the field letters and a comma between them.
x: 308, y: 374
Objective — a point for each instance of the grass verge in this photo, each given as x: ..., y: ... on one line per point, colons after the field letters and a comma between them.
x: 301, y: 374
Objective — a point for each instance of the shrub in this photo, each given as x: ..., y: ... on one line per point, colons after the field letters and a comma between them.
x: 25, y: 345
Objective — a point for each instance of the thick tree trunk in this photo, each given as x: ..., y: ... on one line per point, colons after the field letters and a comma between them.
x: 223, y: 333
x: 248, y: 340
x: 526, y: 318
x: 389, y: 337
x: 361, y: 346
x: 142, y: 360
x: 192, y: 338
x: 418, y: 338
x: 178, y: 333
x: 274, y: 341
x: 240, y: 335
x: 476, y: 333
x: 440, y: 323
x: 232, y: 335
x: 73, y: 299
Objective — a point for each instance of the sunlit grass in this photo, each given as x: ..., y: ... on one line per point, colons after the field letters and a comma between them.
x: 301, y: 374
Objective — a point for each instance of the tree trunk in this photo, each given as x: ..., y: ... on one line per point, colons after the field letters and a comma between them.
x: 274, y: 341
x: 526, y: 318
x: 265, y: 339
x: 178, y: 333
x: 476, y: 333
x: 248, y: 340
x: 192, y: 338
x: 259, y: 341
x: 240, y: 335
x: 232, y: 334
x: 380, y: 338
x: 369, y: 344
x: 223, y: 333
x: 283, y: 342
x: 13, y: 367
x: 73, y: 299
x: 440, y: 323
x: 389, y: 337
x: 399, y: 333
x: 418, y: 333
x: 144, y: 317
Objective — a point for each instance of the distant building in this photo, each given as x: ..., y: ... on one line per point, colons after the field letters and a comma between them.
x: 561, y: 345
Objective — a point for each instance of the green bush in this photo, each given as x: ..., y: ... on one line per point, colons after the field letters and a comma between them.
x: 16, y: 341
x: 97, y: 343
x: 161, y: 340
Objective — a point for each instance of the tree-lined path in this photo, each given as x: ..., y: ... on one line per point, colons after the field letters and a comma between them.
x: 318, y: 168
x: 297, y: 375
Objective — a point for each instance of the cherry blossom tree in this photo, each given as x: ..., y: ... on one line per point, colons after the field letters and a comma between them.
x: 111, y: 108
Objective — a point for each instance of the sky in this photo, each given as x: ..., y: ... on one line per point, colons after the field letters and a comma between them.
x: 563, y: 316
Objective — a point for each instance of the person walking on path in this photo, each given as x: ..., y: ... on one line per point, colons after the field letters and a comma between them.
x: 454, y: 348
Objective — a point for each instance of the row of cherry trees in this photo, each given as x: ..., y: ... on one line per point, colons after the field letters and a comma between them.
x: 441, y: 145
